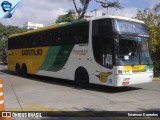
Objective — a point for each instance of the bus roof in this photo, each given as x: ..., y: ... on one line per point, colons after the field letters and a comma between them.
x: 74, y: 22
x: 117, y: 17
x: 47, y: 28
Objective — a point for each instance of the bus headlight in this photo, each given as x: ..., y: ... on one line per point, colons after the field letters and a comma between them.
x: 123, y: 71
x: 120, y: 72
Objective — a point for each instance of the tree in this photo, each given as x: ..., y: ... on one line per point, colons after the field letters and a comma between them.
x: 81, y: 11
x: 151, y: 17
x: 69, y: 17
x: 157, y: 9
x: 85, y: 3
x: 106, y: 4
x: 5, y: 32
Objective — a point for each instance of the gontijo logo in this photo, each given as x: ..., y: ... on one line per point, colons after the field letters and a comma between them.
x: 8, y: 8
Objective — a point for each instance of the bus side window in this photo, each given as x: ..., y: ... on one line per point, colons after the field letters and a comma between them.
x: 102, y: 44
x: 101, y: 27
x: 74, y: 37
x: 79, y: 33
x: 59, y: 36
x: 49, y: 38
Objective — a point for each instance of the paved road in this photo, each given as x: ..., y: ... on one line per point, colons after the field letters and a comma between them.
x: 37, y: 93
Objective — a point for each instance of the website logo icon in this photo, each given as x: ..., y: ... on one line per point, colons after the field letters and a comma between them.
x: 6, y: 6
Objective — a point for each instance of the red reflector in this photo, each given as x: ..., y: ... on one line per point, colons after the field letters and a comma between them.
x: 125, y: 83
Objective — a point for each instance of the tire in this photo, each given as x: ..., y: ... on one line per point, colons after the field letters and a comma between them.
x: 82, y: 78
x: 18, y: 69
x: 24, y: 70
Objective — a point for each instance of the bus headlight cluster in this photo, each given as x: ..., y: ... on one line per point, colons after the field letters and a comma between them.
x: 123, y: 71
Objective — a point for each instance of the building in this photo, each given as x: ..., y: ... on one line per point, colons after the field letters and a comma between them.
x: 31, y: 25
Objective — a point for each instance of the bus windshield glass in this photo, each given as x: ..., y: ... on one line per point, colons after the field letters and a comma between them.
x: 123, y: 26
x: 133, y: 51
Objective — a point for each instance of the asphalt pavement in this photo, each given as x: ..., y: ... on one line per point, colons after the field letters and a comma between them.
x: 37, y: 93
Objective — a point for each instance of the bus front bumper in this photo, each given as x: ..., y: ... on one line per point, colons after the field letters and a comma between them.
x: 125, y: 80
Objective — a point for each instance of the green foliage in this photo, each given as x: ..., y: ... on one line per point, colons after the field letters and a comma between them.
x: 152, y: 19
x: 5, y: 31
x: 66, y: 18
x: 85, y: 3
x: 107, y: 4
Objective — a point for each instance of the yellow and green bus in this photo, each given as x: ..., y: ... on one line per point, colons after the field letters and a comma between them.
x: 108, y: 50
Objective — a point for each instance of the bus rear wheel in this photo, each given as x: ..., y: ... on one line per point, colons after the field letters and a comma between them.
x: 18, y: 69
x: 24, y: 70
x: 82, y: 78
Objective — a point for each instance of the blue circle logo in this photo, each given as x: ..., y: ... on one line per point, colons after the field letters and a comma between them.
x: 6, y: 6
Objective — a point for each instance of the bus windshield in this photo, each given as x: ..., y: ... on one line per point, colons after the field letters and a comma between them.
x: 133, y: 51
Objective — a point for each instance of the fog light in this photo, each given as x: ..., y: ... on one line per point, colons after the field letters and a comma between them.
x: 125, y: 81
x: 126, y: 71
x: 119, y: 71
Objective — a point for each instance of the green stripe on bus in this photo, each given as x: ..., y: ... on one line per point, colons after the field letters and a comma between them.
x: 50, y: 57
x: 61, y: 58
x: 74, y: 22
x: 148, y: 67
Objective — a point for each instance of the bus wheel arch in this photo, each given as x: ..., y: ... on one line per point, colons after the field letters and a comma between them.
x: 82, y: 77
x: 24, y: 70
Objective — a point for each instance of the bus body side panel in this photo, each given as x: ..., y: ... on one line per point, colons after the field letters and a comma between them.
x: 32, y: 57
x: 65, y: 63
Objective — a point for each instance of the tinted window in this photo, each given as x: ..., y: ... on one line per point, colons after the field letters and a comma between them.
x: 75, y: 34
x: 79, y: 33
x: 103, y: 51
x: 61, y: 35
x: 102, y: 26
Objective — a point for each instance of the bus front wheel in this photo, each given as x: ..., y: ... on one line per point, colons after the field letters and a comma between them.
x: 24, y: 70
x: 82, y: 77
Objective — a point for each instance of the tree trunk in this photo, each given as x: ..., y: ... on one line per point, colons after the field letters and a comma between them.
x: 84, y: 9
x: 76, y: 8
